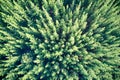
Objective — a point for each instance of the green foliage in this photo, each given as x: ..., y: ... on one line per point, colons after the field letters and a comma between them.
x: 59, y: 40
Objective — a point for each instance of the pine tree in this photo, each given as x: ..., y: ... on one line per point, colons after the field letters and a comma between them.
x: 59, y: 40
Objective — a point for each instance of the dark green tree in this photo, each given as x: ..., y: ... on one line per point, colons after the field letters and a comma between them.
x: 59, y: 40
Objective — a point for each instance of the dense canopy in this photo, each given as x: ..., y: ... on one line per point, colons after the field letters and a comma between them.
x: 59, y: 40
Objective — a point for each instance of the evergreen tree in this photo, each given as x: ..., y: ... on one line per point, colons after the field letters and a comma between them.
x: 59, y: 40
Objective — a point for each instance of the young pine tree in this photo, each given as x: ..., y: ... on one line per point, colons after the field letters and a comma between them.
x: 59, y: 40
